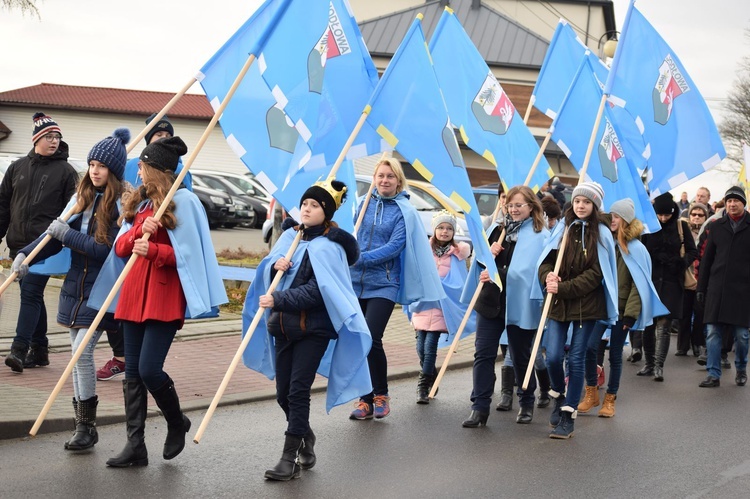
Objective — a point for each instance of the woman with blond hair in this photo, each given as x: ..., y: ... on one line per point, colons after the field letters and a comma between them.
x: 395, y: 266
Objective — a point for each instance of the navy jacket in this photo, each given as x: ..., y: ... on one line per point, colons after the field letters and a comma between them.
x: 87, y: 258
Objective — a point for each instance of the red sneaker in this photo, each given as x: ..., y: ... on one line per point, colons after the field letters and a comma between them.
x: 112, y: 369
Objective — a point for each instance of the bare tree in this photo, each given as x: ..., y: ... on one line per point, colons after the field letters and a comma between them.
x: 25, y: 6
x: 735, y: 127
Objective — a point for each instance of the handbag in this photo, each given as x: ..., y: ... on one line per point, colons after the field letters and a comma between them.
x: 690, y: 283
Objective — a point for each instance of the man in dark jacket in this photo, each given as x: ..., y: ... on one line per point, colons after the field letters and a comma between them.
x: 33, y: 193
x: 723, y: 286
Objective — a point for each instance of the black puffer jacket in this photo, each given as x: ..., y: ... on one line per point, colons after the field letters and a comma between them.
x: 87, y: 258
x: 34, y: 191
x: 300, y: 310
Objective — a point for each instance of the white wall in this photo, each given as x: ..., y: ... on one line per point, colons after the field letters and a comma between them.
x: 82, y: 129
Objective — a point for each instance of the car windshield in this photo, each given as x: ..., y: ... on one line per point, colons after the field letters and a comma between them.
x: 217, y: 184
x: 486, y: 202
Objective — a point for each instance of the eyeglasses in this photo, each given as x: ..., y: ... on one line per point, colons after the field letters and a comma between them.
x: 51, y: 137
x: 698, y: 215
x: 517, y: 206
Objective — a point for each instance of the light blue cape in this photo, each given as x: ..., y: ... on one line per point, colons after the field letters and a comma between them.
x: 194, y: 253
x: 638, y: 262
x: 345, y: 361
x: 607, y: 262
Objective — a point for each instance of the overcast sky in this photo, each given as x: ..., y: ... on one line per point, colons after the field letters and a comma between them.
x: 160, y: 45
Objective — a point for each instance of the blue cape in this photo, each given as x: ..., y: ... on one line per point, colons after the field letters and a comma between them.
x: 520, y: 310
x: 638, y: 262
x: 451, y: 306
x: 345, y: 361
x: 194, y: 253
x: 420, y: 280
x: 607, y: 261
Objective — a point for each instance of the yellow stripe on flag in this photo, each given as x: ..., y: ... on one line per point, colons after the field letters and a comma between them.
x: 422, y: 169
x: 460, y: 201
x: 464, y: 137
x: 387, y: 136
x: 489, y: 157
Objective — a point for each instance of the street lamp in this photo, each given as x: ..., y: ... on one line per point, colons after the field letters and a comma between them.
x: 609, y: 47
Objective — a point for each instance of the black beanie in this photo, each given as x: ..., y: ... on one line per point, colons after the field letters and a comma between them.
x: 664, y: 204
x: 329, y: 195
x: 164, y: 154
x: 163, y: 125
x: 737, y: 193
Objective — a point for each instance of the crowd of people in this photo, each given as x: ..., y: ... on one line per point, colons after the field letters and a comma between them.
x: 606, y: 280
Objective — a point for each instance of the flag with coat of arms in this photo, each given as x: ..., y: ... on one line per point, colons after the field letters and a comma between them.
x: 615, y: 160
x: 408, y: 111
x: 648, y: 80
x: 481, y: 110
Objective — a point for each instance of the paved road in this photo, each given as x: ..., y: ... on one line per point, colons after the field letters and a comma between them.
x: 669, y: 439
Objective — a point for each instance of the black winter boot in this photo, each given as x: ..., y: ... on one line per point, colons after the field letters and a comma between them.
x: 136, y: 405
x: 177, y: 423
x: 662, y: 348
x: 423, y: 389
x: 566, y: 426
x: 542, y: 377
x: 506, y: 390
x: 86, y: 435
x: 38, y: 356
x: 76, y: 421
x: 17, y: 356
x: 288, y: 466
x: 554, y: 418
x: 649, y: 352
x: 307, y: 457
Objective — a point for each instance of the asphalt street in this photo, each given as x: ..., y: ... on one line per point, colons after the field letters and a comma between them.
x: 668, y: 439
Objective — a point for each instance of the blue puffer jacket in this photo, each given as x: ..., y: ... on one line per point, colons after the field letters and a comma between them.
x: 87, y: 257
x: 382, y: 239
x: 300, y: 309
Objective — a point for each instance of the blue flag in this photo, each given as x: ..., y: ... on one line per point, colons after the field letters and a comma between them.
x: 256, y: 126
x: 408, y: 111
x: 479, y: 107
x: 615, y: 159
x: 650, y: 82
x: 559, y: 67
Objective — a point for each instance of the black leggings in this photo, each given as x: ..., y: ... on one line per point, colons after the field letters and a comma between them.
x: 377, y: 313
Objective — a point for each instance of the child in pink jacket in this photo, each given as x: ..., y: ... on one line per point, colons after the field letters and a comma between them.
x: 429, y: 321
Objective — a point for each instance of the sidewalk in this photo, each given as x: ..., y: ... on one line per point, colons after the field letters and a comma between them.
x: 197, y: 362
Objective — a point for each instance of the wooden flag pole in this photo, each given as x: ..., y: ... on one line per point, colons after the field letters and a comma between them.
x: 131, y: 261
x: 561, y: 250
x: 361, y: 215
x: 532, y: 99
x: 538, y: 158
x: 128, y: 149
x: 243, y: 346
x: 272, y: 287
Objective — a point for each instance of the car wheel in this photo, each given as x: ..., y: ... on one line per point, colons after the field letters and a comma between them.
x: 252, y: 220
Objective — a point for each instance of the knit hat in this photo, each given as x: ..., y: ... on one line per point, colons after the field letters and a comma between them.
x: 624, y: 208
x: 164, y: 154
x: 698, y: 206
x: 328, y: 193
x: 111, y: 152
x: 736, y: 192
x: 590, y: 190
x: 163, y: 125
x: 443, y: 216
x: 43, y: 125
x: 664, y: 204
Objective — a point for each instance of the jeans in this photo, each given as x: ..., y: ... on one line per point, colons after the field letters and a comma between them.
x: 616, y: 344
x: 296, y: 365
x: 486, y: 344
x: 714, y: 344
x: 539, y: 362
x: 116, y: 342
x: 592, y: 351
x: 84, y: 371
x: 427, y: 342
x: 557, y: 334
x: 146, y: 347
x: 32, y: 314
x: 377, y: 313
x: 519, y: 346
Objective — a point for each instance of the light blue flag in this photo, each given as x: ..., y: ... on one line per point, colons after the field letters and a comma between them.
x: 559, y: 67
x: 615, y: 159
x: 650, y: 82
x: 479, y: 107
x: 408, y: 111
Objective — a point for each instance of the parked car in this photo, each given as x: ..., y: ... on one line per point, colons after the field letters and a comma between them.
x: 218, y: 205
x: 242, y: 214
x: 486, y: 199
x: 248, y: 185
x: 251, y: 210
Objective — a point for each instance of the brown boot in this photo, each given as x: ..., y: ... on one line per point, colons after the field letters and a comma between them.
x: 591, y: 399
x: 608, y: 408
